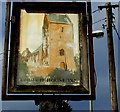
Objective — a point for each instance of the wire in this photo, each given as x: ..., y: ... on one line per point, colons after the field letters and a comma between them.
x: 116, y: 31
x: 1, y: 53
x: 99, y: 21
x: 95, y: 11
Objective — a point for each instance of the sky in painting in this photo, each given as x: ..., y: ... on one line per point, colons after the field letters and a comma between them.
x: 31, y: 31
x: 102, y: 101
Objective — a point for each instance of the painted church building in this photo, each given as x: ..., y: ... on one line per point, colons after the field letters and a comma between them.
x: 57, y: 49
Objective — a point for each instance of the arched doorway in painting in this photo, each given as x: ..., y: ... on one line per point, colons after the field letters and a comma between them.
x: 63, y: 65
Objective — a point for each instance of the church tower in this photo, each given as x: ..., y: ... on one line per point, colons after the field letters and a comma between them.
x: 58, y: 40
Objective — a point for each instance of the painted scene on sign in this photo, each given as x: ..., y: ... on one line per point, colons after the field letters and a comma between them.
x: 48, y: 49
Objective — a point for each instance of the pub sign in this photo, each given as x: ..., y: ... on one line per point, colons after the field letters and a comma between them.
x: 48, y: 50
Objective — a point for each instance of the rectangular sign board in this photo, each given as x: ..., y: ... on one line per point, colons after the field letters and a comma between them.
x: 48, y: 50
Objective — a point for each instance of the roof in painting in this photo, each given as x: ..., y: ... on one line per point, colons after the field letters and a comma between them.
x: 59, y: 18
x: 38, y: 49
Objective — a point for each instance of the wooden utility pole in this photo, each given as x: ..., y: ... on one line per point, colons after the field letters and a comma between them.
x: 112, y: 73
